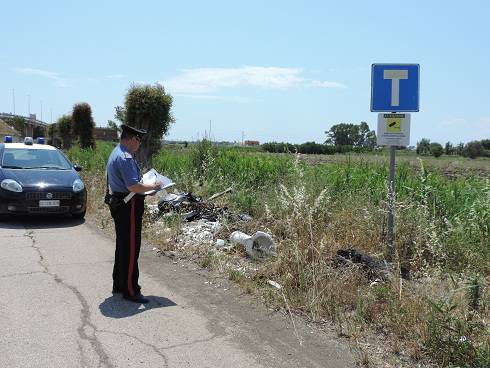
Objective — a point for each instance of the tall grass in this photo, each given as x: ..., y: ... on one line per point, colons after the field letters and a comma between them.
x: 441, y: 235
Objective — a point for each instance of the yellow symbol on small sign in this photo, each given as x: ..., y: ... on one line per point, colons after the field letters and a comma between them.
x: 393, y: 125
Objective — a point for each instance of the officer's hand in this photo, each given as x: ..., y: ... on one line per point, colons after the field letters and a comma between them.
x: 156, y: 187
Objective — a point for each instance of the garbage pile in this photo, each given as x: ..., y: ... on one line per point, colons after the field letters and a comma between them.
x: 197, y: 232
x: 203, y: 223
x: 191, y: 208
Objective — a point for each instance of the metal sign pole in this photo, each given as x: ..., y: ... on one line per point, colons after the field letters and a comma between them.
x: 391, y: 203
x: 394, y: 87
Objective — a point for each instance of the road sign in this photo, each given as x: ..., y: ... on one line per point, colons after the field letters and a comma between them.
x: 395, y: 87
x: 393, y: 130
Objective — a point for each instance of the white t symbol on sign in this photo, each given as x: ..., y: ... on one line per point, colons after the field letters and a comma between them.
x: 395, y: 76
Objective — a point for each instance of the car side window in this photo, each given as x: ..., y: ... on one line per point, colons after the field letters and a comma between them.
x: 8, y: 158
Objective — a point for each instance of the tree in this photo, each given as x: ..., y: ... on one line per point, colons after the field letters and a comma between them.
x: 64, y: 131
x: 120, y: 114
x: 83, y: 125
x: 52, y: 134
x: 113, y: 125
x: 362, y: 133
x: 423, y: 147
x: 436, y: 149
x: 449, y: 149
x: 485, y: 143
x: 351, y: 135
x: 371, y: 141
x: 460, y: 148
x: 147, y: 107
x: 473, y: 149
x: 341, y: 135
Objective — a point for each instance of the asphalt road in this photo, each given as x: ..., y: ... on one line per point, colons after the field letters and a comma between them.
x: 57, y: 310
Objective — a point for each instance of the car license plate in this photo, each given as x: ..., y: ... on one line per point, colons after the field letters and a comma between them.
x: 53, y: 203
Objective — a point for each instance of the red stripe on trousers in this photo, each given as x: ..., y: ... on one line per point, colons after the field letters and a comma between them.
x: 132, y: 241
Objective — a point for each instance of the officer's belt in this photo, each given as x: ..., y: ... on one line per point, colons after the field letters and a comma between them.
x: 125, y: 196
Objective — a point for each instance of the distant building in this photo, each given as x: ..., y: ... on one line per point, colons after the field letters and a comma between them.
x: 252, y: 143
x: 5, y: 129
x: 105, y: 134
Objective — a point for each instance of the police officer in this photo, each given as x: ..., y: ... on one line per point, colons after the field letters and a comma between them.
x: 126, y: 201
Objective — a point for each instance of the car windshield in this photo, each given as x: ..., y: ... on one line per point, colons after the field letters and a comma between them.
x: 22, y: 158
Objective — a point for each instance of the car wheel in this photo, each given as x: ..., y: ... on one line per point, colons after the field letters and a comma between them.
x: 78, y: 216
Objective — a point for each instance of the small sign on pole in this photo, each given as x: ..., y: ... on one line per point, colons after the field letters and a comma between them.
x: 393, y: 129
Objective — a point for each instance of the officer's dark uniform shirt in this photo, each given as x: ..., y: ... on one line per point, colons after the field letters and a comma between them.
x: 122, y: 170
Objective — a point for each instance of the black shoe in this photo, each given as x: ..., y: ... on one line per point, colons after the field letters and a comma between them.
x: 138, y: 298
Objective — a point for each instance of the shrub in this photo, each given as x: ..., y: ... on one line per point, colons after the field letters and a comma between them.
x: 473, y: 149
x: 83, y: 125
x: 436, y: 149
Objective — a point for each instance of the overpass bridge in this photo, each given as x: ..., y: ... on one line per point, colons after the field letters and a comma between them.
x: 30, y: 123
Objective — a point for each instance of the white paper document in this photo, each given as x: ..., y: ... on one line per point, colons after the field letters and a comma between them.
x: 152, y: 177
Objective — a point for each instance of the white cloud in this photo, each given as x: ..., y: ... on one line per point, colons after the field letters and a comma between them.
x: 42, y: 73
x: 327, y: 84
x: 209, y: 80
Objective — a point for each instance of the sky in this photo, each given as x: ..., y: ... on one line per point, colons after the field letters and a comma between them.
x: 259, y: 70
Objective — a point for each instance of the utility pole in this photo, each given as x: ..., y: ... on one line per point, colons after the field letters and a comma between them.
x: 243, y: 135
x: 51, y: 112
x: 41, y: 110
x: 13, y: 99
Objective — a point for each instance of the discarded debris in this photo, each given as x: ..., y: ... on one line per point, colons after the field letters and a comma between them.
x: 197, y: 232
x: 174, y: 202
x: 219, y: 243
x: 244, y: 217
x: 275, y: 284
x: 374, y: 269
x: 258, y: 245
x: 214, y: 196
x: 192, y: 208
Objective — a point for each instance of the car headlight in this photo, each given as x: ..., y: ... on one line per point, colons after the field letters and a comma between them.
x: 12, y: 185
x: 78, y: 186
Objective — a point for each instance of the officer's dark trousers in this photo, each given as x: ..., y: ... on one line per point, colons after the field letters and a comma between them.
x: 127, y: 220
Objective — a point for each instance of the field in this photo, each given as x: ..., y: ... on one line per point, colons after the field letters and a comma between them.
x: 315, y: 205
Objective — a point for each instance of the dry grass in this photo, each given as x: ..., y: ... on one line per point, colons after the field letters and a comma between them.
x: 439, y: 317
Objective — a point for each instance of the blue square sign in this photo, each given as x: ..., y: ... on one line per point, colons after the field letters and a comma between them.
x: 395, y: 87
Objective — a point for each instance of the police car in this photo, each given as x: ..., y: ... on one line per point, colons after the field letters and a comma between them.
x: 39, y: 179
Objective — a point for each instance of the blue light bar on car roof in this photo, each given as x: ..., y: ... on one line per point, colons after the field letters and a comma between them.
x: 40, y: 140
